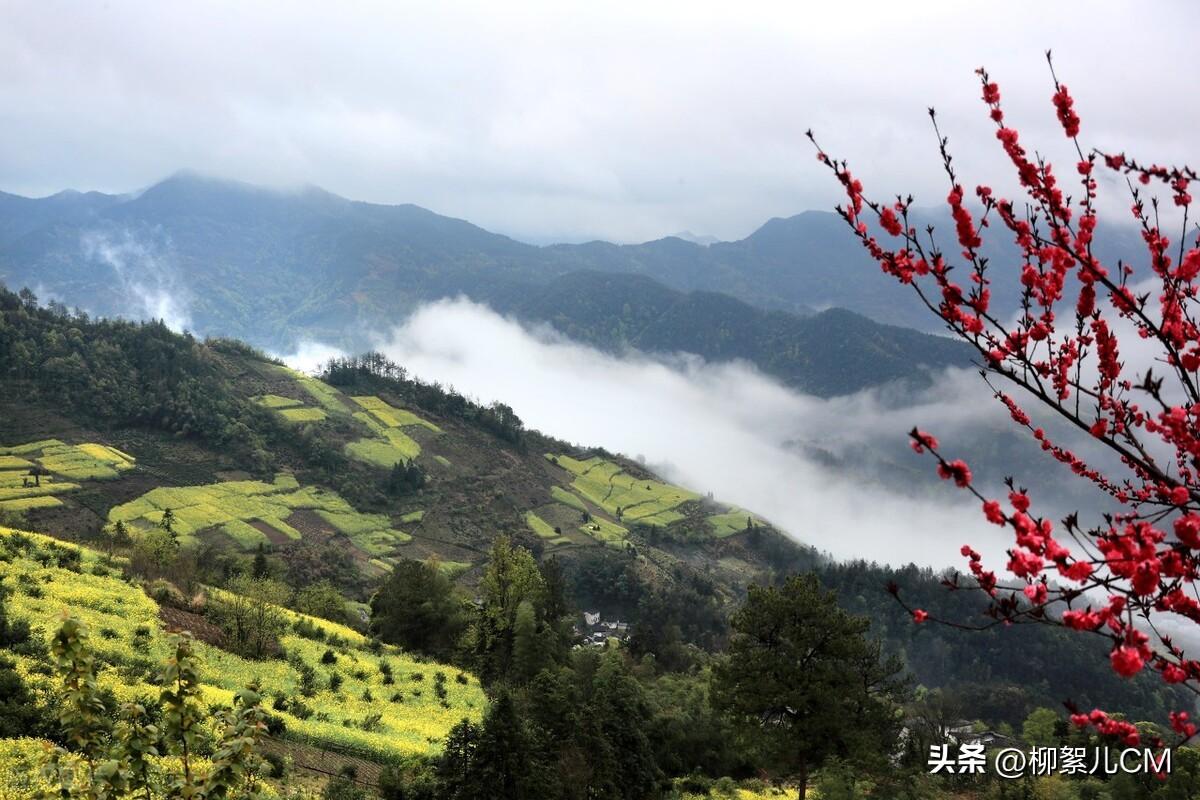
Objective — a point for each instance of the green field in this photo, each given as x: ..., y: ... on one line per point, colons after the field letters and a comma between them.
x: 232, y: 506
x: 605, y: 531
x: 326, y: 396
x: 540, y: 526
x: 290, y: 409
x: 13, y: 485
x: 392, y: 417
x: 390, y: 445
x: 567, y: 498
x: 28, y: 503
x: 452, y: 569
x: 20, y: 491
x: 731, y: 522
x: 385, y: 453
x: 302, y: 414
x: 128, y: 637
x: 630, y: 499
x: 75, y: 461
x: 276, y: 401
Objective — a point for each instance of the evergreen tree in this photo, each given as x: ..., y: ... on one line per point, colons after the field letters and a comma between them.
x: 804, y: 683
x: 512, y: 576
x: 501, y: 768
x: 625, y: 765
x: 454, y: 768
x: 260, y: 569
x: 419, y: 609
x: 167, y: 523
x: 528, y: 649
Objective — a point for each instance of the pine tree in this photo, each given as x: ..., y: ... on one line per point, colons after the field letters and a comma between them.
x: 501, y: 766
x: 260, y: 568
x: 804, y: 682
x: 528, y: 651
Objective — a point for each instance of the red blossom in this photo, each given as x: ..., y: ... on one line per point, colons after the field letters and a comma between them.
x: 1064, y: 350
x: 921, y: 440
x: 919, y: 615
x: 956, y: 470
x: 890, y: 222
x: 1127, y: 661
x: 1066, y: 114
x: 1180, y: 724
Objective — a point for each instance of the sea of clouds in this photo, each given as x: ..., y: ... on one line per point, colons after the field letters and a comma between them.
x: 722, y: 428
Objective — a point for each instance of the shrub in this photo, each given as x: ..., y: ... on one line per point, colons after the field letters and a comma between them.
x: 277, y: 766
x: 343, y: 788
x: 309, y: 630
x: 166, y: 593
x: 308, y: 680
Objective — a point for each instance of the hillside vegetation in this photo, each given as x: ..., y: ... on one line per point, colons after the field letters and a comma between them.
x: 383, y: 707
x: 274, y: 268
x: 196, y: 502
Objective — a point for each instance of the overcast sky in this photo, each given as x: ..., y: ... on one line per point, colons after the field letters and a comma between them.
x: 624, y: 121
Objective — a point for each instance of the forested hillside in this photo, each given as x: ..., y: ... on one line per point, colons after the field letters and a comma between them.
x: 274, y: 268
x: 218, y: 491
x: 830, y: 353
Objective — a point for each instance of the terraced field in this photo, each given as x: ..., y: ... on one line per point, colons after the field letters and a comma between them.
x: 390, y: 445
x: 733, y: 521
x: 20, y: 491
x: 628, y: 498
x: 326, y: 396
x: 254, y: 512
x: 606, y: 531
x: 540, y: 526
x: 393, y: 417
x: 290, y: 409
x: 385, y: 708
x: 566, y: 498
x: 391, y: 441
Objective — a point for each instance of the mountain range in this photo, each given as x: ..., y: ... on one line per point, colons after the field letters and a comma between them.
x: 797, y: 297
x: 277, y: 267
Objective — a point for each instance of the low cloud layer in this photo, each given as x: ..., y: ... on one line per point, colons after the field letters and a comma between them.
x: 146, y: 276
x: 712, y: 427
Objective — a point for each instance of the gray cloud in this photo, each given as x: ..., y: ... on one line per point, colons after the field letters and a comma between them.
x: 570, y: 119
x: 145, y: 274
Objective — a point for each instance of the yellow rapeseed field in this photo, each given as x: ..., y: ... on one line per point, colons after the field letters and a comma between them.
x: 370, y: 714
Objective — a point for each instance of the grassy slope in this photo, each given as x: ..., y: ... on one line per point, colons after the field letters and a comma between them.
x: 115, y: 611
x: 477, y: 486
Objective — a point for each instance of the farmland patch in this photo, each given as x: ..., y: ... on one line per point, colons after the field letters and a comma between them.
x: 366, y: 716
x: 251, y: 513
